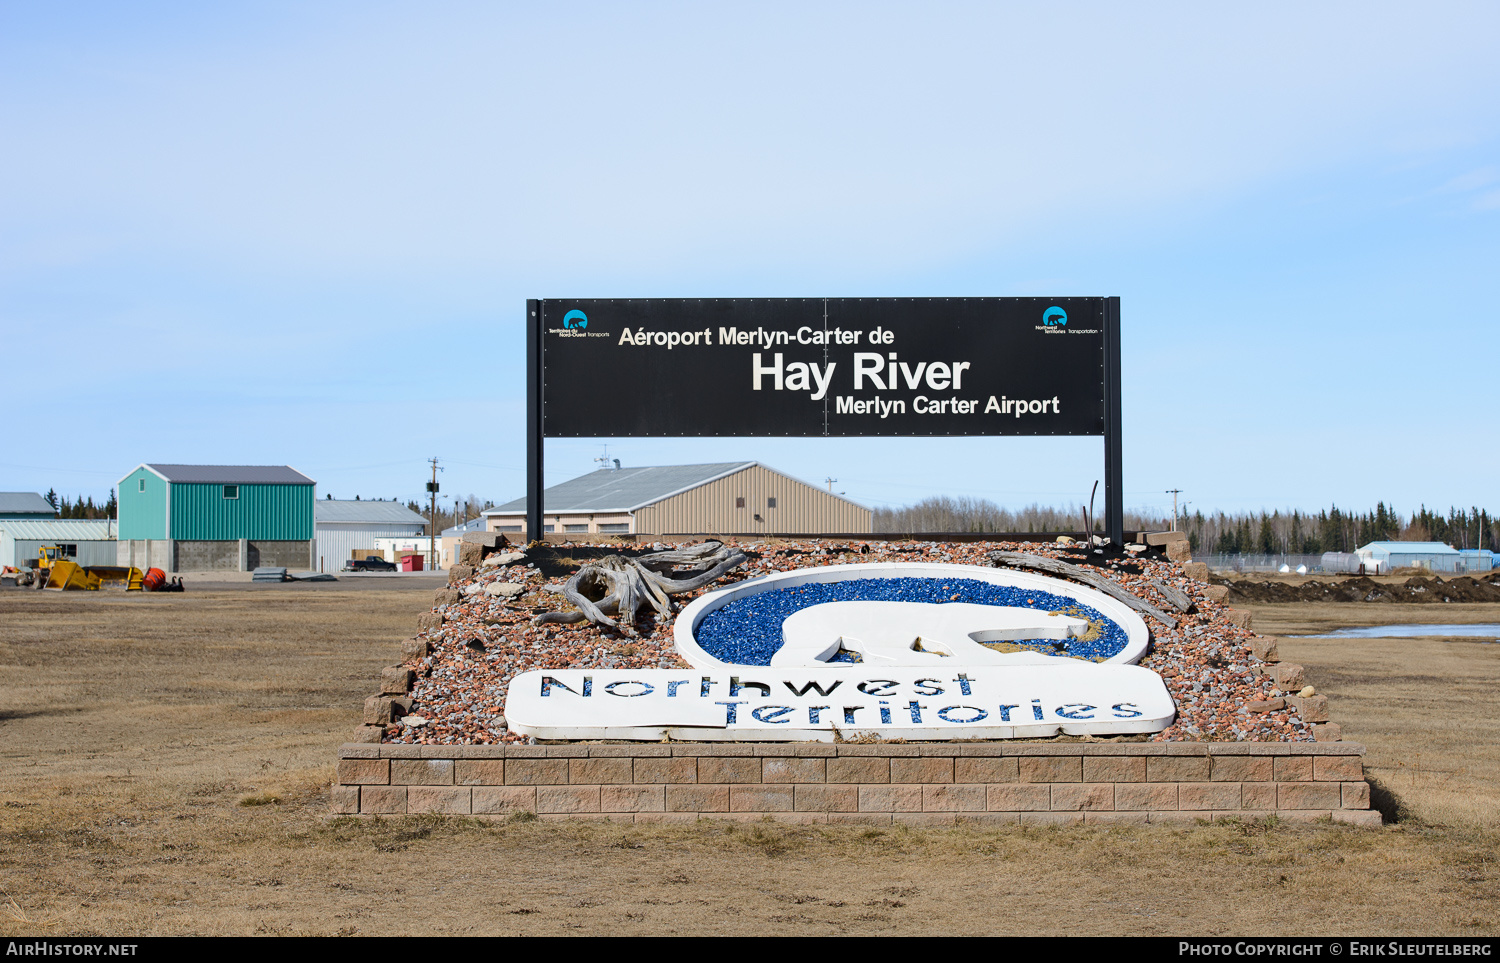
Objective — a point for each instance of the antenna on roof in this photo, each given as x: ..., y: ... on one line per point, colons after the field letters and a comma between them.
x: 604, y: 459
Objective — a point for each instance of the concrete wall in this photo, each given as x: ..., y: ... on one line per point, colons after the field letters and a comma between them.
x: 146, y: 553
x: 226, y: 555
x: 927, y: 784
x: 205, y: 556
x: 294, y: 555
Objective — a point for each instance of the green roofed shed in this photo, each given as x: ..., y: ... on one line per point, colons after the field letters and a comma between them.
x: 216, y: 517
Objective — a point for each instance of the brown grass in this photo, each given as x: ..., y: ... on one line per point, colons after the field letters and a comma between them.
x: 1426, y: 709
x: 166, y: 762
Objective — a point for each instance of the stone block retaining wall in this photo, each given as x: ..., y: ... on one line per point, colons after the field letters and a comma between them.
x: 924, y: 784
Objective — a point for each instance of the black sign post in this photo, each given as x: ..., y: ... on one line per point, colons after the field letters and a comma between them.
x: 535, y: 379
x: 824, y: 367
x: 1114, y: 459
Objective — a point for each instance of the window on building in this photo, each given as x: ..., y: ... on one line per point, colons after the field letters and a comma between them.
x: 231, y: 491
x: 143, y: 484
x: 576, y: 528
x: 547, y: 528
x: 739, y: 502
x: 69, y: 551
x: 615, y: 527
x: 770, y: 502
x: 508, y: 528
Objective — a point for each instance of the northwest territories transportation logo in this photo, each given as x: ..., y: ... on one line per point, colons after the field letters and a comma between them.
x: 574, y: 324
x: 1054, y: 315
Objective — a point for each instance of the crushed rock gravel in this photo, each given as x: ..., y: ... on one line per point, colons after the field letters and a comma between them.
x: 487, y: 638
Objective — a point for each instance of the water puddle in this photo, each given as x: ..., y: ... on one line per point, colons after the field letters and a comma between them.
x: 1483, y: 632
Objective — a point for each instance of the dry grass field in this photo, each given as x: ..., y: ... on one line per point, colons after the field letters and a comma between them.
x: 164, y: 763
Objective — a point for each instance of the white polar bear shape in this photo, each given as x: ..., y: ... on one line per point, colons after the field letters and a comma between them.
x: 919, y: 633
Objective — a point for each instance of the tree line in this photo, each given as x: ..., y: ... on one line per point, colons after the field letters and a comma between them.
x: 1222, y: 533
x: 84, y: 507
x: 465, y: 511
x: 1337, y: 530
x: 81, y: 507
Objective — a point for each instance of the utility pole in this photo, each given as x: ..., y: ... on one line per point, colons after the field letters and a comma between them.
x: 1174, y: 492
x: 432, y: 491
x: 830, y: 482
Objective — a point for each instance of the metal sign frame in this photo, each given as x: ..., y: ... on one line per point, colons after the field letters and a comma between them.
x: 537, y: 318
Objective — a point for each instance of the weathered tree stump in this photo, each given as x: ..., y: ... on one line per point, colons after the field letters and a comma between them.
x: 621, y: 586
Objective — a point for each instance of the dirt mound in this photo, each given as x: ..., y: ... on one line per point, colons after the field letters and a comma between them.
x: 1365, y: 589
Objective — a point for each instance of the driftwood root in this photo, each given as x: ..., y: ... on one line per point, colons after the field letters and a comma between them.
x: 622, y: 587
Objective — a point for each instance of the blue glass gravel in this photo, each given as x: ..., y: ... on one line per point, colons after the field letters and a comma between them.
x: 747, y: 631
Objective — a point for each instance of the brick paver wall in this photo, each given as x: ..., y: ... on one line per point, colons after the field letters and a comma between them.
x: 918, y: 784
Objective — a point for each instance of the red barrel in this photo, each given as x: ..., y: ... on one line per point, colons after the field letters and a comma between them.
x: 155, y: 579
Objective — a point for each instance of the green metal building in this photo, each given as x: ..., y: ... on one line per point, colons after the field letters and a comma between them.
x: 204, y: 518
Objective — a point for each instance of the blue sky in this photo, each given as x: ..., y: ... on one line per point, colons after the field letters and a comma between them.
x: 305, y: 233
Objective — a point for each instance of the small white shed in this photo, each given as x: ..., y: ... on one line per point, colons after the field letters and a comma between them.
x: 85, y: 541
x: 1380, y: 558
x: 345, y: 526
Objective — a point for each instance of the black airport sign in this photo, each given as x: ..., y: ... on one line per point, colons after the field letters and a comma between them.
x: 822, y: 367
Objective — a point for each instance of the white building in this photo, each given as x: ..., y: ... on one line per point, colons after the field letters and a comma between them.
x: 346, y: 528
x: 1379, y: 558
x: 85, y: 541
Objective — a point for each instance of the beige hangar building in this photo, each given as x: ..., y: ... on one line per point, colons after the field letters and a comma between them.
x: 731, y: 498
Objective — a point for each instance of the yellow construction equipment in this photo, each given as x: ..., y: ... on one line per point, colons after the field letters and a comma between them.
x: 34, y: 570
x: 65, y: 574
x: 52, y: 570
x: 46, y: 557
x: 58, y: 573
x: 126, y: 577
